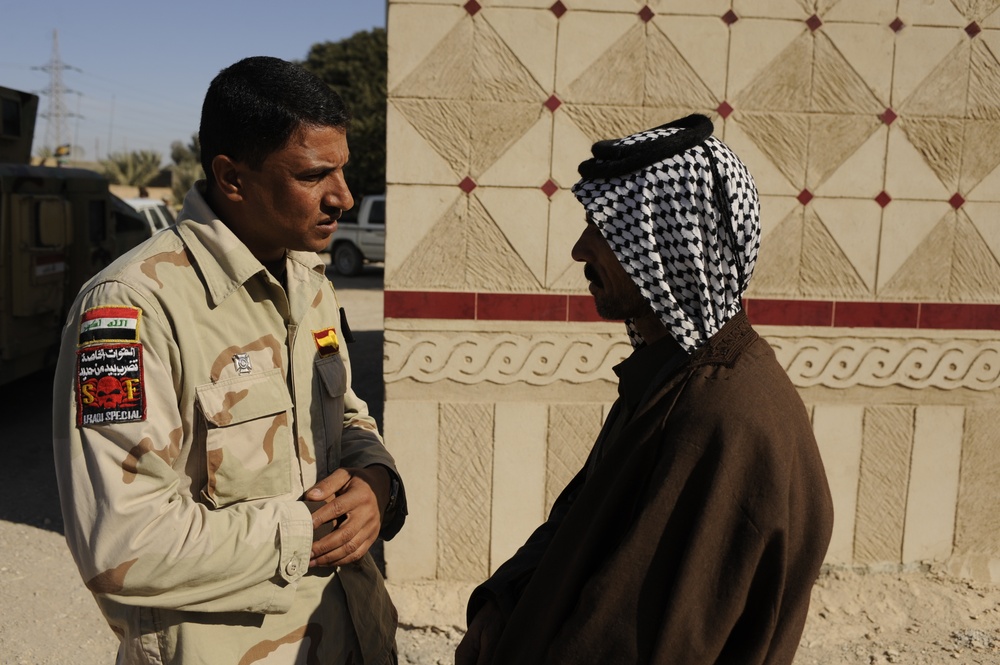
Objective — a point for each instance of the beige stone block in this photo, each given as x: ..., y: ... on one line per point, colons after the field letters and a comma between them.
x: 988, y: 188
x: 570, y: 146
x: 868, y: 48
x: 534, y: 4
x: 984, y: 217
x: 878, y: 12
x: 855, y: 226
x: 410, y: 159
x: 905, y: 224
x: 630, y: 7
x: 573, y: 428
x: 769, y: 180
x: 782, y: 9
x: 862, y: 175
x: 838, y: 429
x: 936, y: 13
x: 755, y: 44
x: 412, y: 211
x: 464, y: 486
x: 919, y: 50
x: 991, y: 21
x: 908, y: 175
x: 411, y: 433
x: 703, y: 42
x: 930, y: 506
x: 415, y: 29
x: 882, y: 484
x: 522, y: 216
x: 518, y: 476
x: 977, y: 523
x: 567, y: 220
x: 526, y: 162
x: 584, y: 37
x: 774, y: 209
x: 530, y: 34
x: 714, y: 8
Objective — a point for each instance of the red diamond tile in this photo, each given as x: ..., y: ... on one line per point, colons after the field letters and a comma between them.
x: 724, y: 109
x: 552, y: 103
x: 550, y: 188
x: 805, y: 196
x: 558, y: 9
x: 646, y: 14
x: 956, y: 201
x: 889, y: 116
x: 973, y: 29
x: 883, y: 199
x: 730, y: 17
x: 897, y: 25
x: 814, y: 22
x: 467, y: 185
x: 472, y: 7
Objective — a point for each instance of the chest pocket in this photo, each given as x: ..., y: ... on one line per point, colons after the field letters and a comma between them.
x: 248, y: 443
x: 332, y: 388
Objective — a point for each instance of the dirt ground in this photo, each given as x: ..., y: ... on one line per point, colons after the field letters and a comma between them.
x: 47, y: 617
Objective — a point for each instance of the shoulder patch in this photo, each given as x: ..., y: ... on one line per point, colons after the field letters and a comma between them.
x: 109, y: 385
x: 100, y: 325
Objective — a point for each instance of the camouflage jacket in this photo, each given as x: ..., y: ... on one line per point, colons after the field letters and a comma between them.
x: 194, y: 402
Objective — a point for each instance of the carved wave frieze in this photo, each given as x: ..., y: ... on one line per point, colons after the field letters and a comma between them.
x: 541, y: 359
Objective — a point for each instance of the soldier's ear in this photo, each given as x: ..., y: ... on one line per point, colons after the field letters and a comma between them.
x: 227, y: 177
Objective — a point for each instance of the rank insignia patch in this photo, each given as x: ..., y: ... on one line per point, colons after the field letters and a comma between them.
x: 101, y: 325
x: 326, y: 342
x: 109, y: 387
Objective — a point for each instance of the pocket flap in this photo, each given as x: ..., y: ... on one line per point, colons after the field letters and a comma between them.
x: 244, y: 398
x: 334, y: 375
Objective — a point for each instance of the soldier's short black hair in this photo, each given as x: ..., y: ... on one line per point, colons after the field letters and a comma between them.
x: 254, y: 106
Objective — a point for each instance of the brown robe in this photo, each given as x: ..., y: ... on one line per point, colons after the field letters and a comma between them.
x: 695, y: 539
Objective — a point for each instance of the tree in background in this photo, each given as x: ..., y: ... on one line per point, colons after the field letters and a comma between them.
x: 186, y: 168
x: 136, y: 168
x: 356, y: 68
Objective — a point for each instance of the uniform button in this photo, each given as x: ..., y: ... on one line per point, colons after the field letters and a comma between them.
x: 292, y: 567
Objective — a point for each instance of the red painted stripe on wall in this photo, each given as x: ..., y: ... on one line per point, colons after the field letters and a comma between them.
x: 770, y: 312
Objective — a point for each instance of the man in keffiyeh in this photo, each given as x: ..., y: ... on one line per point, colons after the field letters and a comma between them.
x: 697, y: 527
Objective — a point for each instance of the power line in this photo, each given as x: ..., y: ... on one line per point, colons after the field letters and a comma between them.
x: 56, y: 133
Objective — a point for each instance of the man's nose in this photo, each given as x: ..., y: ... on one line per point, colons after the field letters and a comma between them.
x: 340, y: 196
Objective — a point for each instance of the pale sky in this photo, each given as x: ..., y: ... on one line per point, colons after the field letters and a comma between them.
x: 136, y: 72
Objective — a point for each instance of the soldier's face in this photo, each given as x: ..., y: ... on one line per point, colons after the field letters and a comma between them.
x: 615, y: 294
x: 295, y: 199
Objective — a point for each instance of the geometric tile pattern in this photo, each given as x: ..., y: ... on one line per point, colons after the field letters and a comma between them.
x: 856, y: 119
x: 465, y: 480
x: 808, y: 110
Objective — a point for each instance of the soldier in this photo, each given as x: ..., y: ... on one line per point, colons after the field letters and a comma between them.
x: 220, y: 481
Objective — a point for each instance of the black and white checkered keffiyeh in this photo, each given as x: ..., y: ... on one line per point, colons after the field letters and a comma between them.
x: 681, y: 213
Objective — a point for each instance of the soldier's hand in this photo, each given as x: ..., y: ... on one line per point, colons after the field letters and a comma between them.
x: 480, y: 642
x: 354, y: 498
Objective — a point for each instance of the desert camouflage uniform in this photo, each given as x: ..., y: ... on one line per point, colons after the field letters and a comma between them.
x: 194, y: 403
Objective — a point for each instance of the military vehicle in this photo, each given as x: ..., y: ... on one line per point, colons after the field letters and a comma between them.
x: 58, y: 227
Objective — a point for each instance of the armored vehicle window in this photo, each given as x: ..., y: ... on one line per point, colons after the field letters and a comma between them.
x: 11, y: 118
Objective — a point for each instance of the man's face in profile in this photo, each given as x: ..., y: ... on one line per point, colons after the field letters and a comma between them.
x: 615, y: 294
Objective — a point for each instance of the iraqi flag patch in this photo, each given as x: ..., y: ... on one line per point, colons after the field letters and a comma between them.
x: 103, y: 325
x: 109, y: 385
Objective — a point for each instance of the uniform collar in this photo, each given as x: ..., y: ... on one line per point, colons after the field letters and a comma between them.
x: 223, y: 260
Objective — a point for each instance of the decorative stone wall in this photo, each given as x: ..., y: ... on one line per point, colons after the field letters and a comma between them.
x: 871, y: 129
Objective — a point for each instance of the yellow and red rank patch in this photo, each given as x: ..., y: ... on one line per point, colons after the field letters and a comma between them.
x: 326, y: 341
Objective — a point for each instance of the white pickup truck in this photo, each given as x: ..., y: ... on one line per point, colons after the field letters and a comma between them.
x: 361, y: 239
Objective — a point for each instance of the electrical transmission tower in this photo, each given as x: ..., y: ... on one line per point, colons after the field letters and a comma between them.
x: 57, y: 136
